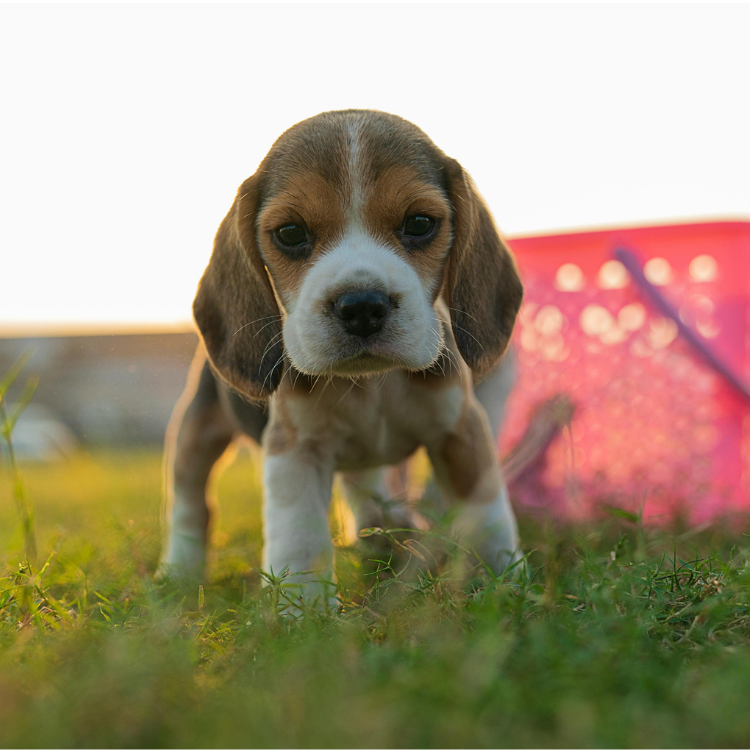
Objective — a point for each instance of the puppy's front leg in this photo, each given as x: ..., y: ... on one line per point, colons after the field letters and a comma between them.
x: 298, y: 539
x: 198, y: 434
x: 469, y: 475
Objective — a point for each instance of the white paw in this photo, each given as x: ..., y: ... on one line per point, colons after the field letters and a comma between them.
x: 488, y: 532
x: 298, y: 593
x: 184, y: 559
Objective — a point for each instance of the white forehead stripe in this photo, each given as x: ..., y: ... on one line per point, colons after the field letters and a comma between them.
x: 355, y: 171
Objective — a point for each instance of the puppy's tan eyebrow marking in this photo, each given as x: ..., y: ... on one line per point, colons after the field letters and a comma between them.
x: 403, y: 187
x: 294, y: 184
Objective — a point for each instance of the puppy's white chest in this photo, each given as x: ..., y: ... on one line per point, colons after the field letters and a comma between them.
x: 378, y: 442
x: 369, y: 423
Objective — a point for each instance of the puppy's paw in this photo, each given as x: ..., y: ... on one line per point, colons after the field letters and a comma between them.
x: 183, y: 560
x: 488, y: 535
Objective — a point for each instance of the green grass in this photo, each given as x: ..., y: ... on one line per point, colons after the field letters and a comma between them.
x: 617, y: 637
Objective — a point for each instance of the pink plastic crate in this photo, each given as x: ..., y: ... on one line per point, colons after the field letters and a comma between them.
x: 655, y: 426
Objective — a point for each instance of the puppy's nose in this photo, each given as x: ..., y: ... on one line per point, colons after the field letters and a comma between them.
x: 362, y: 313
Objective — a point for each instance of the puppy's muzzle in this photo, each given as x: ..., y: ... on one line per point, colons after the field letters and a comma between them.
x: 362, y: 313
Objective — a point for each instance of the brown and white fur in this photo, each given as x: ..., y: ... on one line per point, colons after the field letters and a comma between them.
x: 279, y: 362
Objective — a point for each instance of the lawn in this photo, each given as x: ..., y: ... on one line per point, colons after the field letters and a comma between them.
x: 618, y: 636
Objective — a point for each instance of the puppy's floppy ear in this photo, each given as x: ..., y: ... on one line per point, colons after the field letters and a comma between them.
x: 235, y: 308
x: 481, y: 286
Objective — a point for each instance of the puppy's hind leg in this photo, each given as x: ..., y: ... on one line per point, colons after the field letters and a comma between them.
x: 372, y: 502
x: 494, y: 391
x: 198, y: 434
x: 367, y: 495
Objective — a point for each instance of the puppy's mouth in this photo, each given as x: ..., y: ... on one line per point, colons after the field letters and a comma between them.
x: 364, y: 363
x: 330, y: 344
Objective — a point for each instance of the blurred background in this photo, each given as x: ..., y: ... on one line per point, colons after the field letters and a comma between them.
x: 127, y: 130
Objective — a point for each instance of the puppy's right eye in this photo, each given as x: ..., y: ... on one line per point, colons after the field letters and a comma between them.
x: 418, y: 226
x: 292, y: 235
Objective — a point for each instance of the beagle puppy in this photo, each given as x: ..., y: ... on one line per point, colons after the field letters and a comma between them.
x: 357, y: 290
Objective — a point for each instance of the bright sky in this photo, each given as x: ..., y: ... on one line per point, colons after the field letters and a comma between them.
x: 127, y: 129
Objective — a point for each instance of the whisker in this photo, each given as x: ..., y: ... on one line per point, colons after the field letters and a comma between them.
x: 439, y: 363
x: 463, y: 312
x: 280, y: 359
x: 256, y: 321
x: 354, y: 382
x: 452, y: 361
x: 265, y: 326
x: 345, y: 395
x: 460, y: 328
x: 328, y: 382
x: 268, y: 347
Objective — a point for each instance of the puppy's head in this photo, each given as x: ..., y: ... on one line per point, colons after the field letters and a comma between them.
x: 336, y: 250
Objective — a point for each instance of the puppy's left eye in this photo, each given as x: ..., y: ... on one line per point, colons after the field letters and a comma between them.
x: 291, y: 235
x: 418, y: 226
